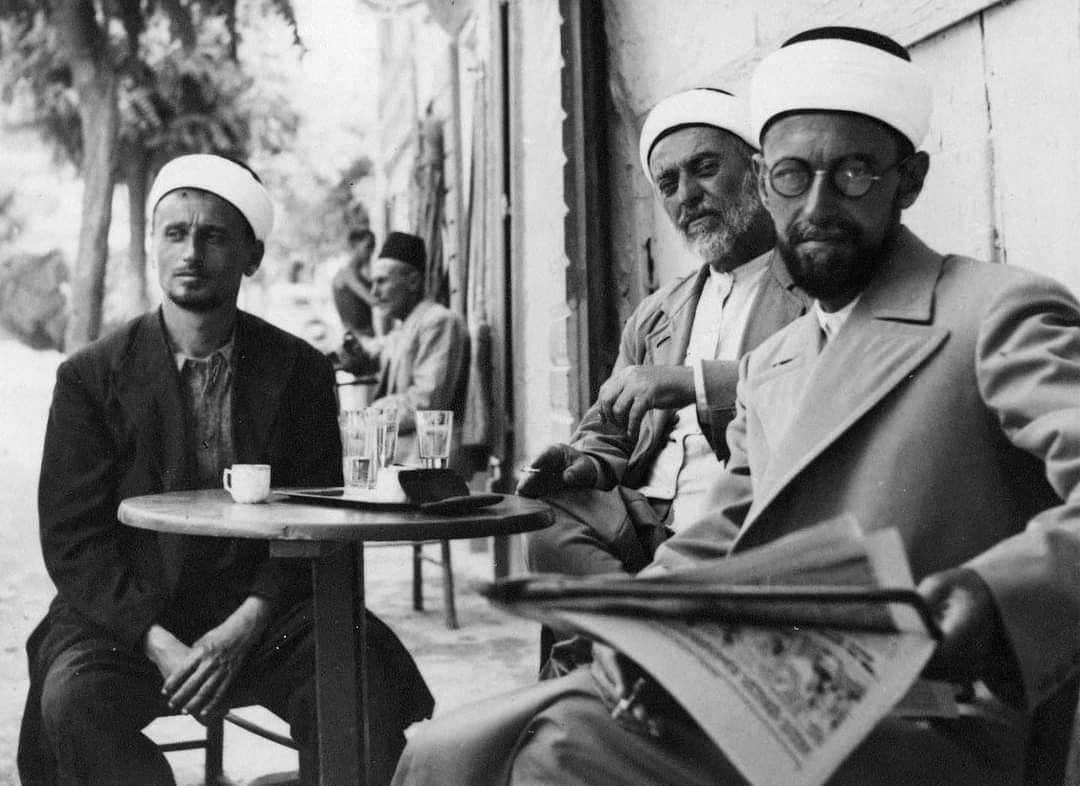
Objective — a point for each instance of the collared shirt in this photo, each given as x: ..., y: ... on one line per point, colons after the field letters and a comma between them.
x: 207, y: 389
x: 206, y: 385
x: 832, y: 321
x: 686, y: 466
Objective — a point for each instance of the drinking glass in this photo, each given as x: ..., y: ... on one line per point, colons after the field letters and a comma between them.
x: 356, y: 449
x: 383, y: 428
x: 433, y: 430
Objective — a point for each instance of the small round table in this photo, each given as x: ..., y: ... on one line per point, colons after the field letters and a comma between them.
x: 331, y: 538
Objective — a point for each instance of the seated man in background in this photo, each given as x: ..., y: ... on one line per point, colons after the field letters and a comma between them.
x: 932, y: 394
x: 639, y: 464
x: 423, y: 363
x: 351, y: 286
x: 144, y: 624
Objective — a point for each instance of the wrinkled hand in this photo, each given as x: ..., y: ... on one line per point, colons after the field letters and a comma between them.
x: 558, y: 467
x: 965, y: 610
x: 631, y: 392
x: 197, y: 681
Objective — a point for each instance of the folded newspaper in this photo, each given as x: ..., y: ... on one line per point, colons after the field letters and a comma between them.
x: 787, y: 655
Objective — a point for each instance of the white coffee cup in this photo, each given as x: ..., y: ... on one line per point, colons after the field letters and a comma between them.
x: 247, y: 483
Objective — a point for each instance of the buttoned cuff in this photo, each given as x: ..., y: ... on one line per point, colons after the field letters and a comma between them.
x: 700, y: 396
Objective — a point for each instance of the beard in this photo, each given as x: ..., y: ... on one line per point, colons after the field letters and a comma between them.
x: 722, y: 223
x: 196, y: 297
x: 843, y: 265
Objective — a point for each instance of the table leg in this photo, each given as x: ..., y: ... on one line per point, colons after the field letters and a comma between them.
x: 501, y: 556
x: 341, y: 655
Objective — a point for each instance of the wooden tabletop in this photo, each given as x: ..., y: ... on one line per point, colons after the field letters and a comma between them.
x: 212, y: 512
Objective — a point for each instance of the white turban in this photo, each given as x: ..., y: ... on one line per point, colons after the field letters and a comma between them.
x: 221, y: 177
x: 841, y: 75
x: 698, y: 107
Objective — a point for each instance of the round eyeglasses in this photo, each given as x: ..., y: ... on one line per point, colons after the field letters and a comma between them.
x: 851, y: 176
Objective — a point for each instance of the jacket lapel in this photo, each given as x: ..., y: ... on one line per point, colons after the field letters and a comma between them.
x: 259, y: 377
x: 778, y: 303
x: 670, y: 335
x: 147, y: 389
x: 813, y: 399
x: 148, y: 396
x: 668, y: 340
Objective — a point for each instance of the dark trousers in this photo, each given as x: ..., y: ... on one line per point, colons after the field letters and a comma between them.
x: 595, y: 532
x: 96, y: 697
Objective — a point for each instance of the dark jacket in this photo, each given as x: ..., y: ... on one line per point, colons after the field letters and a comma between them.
x: 118, y: 428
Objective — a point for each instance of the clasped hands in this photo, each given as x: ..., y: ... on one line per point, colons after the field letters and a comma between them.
x: 197, y: 677
x: 973, y: 647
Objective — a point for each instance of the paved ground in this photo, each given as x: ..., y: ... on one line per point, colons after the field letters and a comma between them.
x: 500, y: 648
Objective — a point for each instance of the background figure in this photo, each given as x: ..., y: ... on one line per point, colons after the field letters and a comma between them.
x: 639, y: 464
x: 423, y: 363
x: 145, y: 623
x: 351, y: 285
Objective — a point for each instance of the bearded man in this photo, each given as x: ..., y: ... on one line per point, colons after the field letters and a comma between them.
x: 638, y: 465
x: 930, y: 394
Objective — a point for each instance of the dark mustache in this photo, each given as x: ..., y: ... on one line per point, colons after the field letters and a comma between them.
x: 805, y: 231
x: 687, y: 217
x: 188, y: 271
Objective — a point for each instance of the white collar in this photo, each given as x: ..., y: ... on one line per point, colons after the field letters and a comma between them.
x: 832, y: 321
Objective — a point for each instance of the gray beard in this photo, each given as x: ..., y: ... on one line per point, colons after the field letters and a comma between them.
x: 713, y: 246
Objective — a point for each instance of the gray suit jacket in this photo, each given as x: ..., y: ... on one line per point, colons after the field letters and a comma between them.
x: 424, y: 364
x: 657, y: 334
x: 948, y: 407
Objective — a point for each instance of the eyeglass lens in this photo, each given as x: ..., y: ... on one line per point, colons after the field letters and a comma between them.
x: 852, y: 177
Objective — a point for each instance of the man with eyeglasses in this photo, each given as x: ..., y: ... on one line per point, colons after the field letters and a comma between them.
x: 932, y: 394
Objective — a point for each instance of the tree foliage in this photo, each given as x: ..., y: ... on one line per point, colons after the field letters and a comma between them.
x: 117, y: 87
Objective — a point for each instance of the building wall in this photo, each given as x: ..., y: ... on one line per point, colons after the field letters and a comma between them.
x: 1004, y: 166
x: 541, y: 361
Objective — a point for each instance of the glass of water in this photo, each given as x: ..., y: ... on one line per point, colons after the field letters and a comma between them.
x: 356, y: 449
x: 383, y: 428
x: 433, y: 430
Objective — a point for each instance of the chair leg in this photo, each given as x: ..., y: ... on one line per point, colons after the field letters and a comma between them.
x: 215, y: 745
x: 448, y: 587
x: 418, y: 577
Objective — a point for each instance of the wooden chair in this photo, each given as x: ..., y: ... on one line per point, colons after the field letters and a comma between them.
x: 418, y: 560
x: 449, y: 609
x: 214, y: 744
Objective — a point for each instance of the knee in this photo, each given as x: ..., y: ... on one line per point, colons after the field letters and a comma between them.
x: 542, y: 550
x: 424, y: 760
x: 67, y: 701
x: 549, y: 750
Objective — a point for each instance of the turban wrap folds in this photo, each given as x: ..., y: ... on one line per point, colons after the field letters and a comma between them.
x: 701, y: 106
x: 223, y: 178
x: 835, y: 74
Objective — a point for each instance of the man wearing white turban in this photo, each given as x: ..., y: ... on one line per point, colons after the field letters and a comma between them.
x: 146, y: 624
x: 932, y: 394
x: 638, y: 466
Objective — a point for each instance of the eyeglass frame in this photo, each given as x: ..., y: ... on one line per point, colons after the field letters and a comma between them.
x: 832, y: 171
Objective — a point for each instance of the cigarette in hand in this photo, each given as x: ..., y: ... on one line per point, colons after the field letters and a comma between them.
x: 628, y: 701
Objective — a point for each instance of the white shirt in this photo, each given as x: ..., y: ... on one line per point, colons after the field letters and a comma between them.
x: 832, y: 321
x: 686, y: 466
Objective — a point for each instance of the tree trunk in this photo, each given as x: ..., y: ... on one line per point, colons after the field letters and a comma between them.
x: 83, y: 43
x: 138, y: 167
